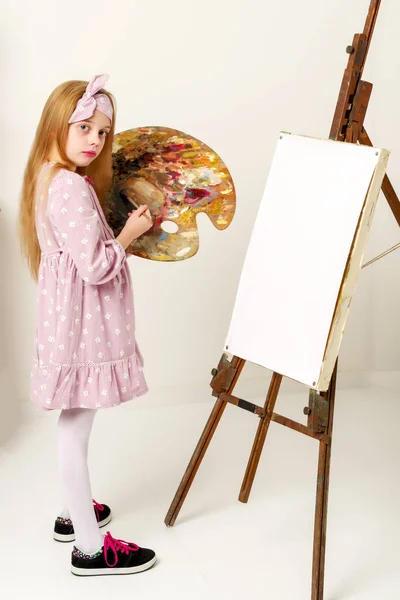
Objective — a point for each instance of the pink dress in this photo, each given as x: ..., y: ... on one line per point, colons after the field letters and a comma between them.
x: 85, y: 352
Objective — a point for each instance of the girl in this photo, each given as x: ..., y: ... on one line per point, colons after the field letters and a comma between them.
x: 85, y: 355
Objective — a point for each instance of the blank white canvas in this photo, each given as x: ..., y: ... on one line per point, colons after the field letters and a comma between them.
x: 298, y: 252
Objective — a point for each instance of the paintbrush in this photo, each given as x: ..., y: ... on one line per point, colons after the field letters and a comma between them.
x: 126, y: 192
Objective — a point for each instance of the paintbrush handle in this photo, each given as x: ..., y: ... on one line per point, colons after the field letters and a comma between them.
x: 136, y: 205
x: 147, y: 217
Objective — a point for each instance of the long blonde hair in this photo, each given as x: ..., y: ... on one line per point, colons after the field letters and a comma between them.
x: 51, y: 134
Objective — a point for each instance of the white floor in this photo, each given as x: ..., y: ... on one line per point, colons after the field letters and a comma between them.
x: 218, y: 548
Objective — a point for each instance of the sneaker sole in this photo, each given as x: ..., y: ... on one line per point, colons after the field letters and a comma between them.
x: 59, y: 537
x: 112, y: 571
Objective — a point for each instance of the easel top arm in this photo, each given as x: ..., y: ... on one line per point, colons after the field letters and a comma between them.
x: 352, y: 76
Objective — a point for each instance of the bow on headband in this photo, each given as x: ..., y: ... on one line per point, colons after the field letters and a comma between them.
x: 91, y: 101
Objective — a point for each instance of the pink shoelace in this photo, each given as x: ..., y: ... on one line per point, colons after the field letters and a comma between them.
x: 117, y: 546
x: 97, y: 507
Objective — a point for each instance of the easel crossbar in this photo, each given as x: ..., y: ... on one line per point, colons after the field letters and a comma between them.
x: 261, y: 412
x: 300, y: 428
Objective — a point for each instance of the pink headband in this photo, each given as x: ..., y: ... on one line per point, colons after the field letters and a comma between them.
x: 92, y: 100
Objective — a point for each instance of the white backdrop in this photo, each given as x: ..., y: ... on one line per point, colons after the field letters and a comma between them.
x: 232, y: 73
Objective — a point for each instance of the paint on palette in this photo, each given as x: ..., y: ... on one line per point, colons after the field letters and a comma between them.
x: 177, y: 176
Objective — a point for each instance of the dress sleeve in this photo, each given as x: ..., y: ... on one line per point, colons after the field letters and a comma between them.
x: 78, y: 222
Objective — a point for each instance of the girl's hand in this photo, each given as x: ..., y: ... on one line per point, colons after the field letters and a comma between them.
x: 137, y: 222
x: 135, y: 226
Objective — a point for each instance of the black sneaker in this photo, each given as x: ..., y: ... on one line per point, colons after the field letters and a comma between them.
x: 116, y: 557
x: 64, y: 529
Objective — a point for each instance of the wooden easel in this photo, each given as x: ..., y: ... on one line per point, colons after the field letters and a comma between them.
x: 348, y: 126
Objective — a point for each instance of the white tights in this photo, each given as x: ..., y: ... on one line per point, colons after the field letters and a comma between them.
x: 74, y: 427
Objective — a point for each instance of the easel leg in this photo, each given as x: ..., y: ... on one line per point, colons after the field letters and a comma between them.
x: 259, y: 440
x: 200, y: 450
x: 321, y: 509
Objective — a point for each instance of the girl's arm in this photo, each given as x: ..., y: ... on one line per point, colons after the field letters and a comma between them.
x: 78, y: 226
